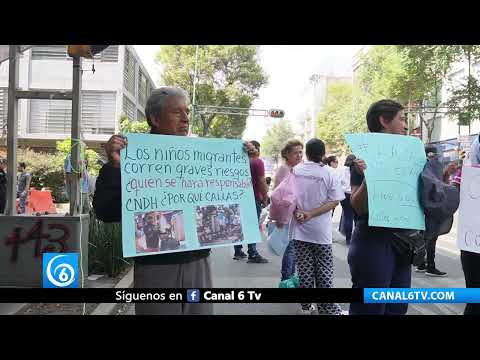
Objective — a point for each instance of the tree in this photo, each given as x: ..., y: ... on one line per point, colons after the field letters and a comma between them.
x: 343, y: 113
x: 426, y: 68
x: 464, y: 102
x: 226, y: 76
x: 332, y: 119
x: 275, y: 138
x: 410, y: 74
x: 381, y: 70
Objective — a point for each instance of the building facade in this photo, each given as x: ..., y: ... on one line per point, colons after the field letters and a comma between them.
x: 120, y: 85
x: 446, y: 127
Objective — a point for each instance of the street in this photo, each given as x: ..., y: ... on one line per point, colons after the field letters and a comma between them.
x: 237, y: 274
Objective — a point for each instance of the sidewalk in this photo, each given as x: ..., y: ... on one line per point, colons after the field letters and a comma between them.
x: 77, y: 308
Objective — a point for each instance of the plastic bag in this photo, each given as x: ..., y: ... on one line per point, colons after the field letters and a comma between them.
x: 278, y: 240
x: 284, y: 200
x: 290, y: 283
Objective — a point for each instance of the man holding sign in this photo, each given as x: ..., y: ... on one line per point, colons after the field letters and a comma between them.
x: 390, y: 204
x: 167, y: 114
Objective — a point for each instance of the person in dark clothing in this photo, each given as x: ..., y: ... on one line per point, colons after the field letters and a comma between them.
x: 373, y: 261
x: 23, y: 187
x: 429, y: 267
x: 152, y: 234
x: 346, y: 223
x: 260, y: 191
x: 470, y: 261
x: 3, y: 185
x: 167, y: 114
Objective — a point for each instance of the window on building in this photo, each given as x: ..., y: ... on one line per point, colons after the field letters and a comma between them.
x: 50, y: 52
x: 3, y: 111
x: 140, y: 116
x: 142, y: 88
x: 150, y: 90
x: 59, y: 52
x: 129, y: 72
x: 128, y: 108
x: 98, y: 112
x: 55, y: 116
x: 50, y: 116
x: 110, y: 54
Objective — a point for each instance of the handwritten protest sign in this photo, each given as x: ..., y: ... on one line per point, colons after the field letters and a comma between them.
x: 464, y: 143
x: 468, y: 237
x: 394, y: 165
x: 182, y: 194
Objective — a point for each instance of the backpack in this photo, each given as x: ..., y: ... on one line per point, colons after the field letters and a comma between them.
x: 440, y: 201
x: 283, y: 201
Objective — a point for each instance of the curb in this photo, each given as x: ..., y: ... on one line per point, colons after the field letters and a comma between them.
x: 108, y: 308
x: 19, y: 309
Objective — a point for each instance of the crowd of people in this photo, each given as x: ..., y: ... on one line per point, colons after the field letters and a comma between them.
x: 320, y: 187
x: 218, y: 224
x: 24, y: 179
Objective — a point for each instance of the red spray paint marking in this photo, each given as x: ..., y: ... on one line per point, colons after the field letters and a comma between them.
x: 36, y: 234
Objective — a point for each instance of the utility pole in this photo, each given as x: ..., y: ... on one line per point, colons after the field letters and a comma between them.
x: 75, y: 204
x: 12, y: 126
x: 194, y: 90
x: 314, y: 79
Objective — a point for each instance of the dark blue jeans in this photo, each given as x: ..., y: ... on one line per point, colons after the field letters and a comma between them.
x: 347, y: 218
x: 252, y: 248
x: 288, y: 261
x: 471, y: 270
x: 374, y: 264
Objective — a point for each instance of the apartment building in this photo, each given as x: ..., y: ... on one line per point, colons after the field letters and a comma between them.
x: 119, y: 85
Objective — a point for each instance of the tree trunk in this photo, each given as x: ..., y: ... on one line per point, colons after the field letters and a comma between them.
x: 206, y: 122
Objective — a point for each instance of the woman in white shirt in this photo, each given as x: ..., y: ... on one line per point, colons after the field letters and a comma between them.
x: 318, y: 192
x: 347, y: 212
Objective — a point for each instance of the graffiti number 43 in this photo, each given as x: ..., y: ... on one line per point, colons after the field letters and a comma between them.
x: 36, y: 234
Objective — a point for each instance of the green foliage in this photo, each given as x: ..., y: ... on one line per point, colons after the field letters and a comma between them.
x: 227, y: 76
x: 426, y: 67
x: 408, y: 74
x: 46, y: 170
x: 105, y: 247
x: 229, y: 127
x: 63, y: 147
x: 128, y: 126
x: 382, y: 69
x: 343, y: 113
x: 464, y: 102
x: 276, y: 137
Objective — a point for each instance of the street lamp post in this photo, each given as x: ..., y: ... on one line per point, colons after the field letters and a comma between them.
x: 194, y: 90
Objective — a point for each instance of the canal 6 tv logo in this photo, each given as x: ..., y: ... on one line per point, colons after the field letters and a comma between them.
x: 60, y: 270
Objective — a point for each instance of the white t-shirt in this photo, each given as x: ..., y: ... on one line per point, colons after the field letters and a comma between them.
x: 316, y: 185
x: 345, y: 180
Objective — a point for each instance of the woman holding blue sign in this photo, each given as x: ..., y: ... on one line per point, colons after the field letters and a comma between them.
x: 372, y: 258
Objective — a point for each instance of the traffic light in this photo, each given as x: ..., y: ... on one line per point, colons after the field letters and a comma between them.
x: 276, y: 113
x: 462, y: 154
x: 85, y: 51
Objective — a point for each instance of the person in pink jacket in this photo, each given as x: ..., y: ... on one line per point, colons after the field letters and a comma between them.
x: 292, y: 153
